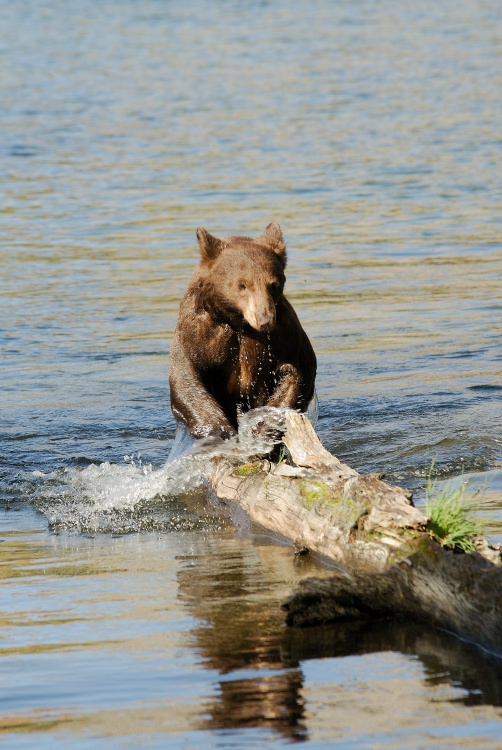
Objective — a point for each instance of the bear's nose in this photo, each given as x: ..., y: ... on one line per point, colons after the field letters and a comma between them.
x: 265, y: 320
x: 259, y: 313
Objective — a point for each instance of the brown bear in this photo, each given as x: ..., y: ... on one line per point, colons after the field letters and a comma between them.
x: 238, y: 343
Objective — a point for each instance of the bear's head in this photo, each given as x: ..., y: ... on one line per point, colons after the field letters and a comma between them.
x: 243, y: 278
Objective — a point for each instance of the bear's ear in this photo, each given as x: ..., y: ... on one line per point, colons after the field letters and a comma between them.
x: 210, y: 247
x: 272, y: 237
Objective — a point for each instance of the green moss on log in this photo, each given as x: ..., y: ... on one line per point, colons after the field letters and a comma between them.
x: 246, y: 469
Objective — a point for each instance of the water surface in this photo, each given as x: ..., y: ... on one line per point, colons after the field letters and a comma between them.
x: 131, y: 613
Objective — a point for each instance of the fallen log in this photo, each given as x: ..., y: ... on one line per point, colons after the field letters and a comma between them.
x: 387, y: 561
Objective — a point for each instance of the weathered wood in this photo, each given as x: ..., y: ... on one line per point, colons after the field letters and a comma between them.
x: 320, y: 504
x: 461, y: 593
x: 372, y: 531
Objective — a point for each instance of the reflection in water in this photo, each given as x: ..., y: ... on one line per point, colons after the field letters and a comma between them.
x: 236, y: 601
x: 446, y: 660
x: 262, y: 682
x: 272, y: 702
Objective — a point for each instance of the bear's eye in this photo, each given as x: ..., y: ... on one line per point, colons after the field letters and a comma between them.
x: 275, y: 286
x: 242, y: 286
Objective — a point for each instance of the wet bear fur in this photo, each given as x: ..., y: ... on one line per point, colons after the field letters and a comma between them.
x: 238, y: 343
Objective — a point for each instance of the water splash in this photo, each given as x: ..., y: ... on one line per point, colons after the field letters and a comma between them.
x: 313, y: 409
x: 135, y: 496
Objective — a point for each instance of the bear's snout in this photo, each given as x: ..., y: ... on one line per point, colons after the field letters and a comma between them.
x: 259, y: 314
x: 265, y: 321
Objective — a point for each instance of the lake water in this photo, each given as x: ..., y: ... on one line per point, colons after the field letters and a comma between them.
x: 131, y: 614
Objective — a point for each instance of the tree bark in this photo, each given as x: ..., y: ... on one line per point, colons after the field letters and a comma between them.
x: 388, y: 563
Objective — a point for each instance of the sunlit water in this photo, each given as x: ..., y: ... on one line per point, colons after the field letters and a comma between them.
x: 132, y: 613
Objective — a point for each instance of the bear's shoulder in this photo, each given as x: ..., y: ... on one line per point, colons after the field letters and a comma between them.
x: 206, y: 340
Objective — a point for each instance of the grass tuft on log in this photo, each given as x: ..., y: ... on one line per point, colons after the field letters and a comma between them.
x: 452, y: 521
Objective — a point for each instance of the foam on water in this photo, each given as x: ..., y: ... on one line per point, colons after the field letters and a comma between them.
x: 135, y: 495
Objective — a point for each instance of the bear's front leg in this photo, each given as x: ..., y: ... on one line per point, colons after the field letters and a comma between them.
x: 191, y: 402
x: 199, y: 412
x: 290, y: 391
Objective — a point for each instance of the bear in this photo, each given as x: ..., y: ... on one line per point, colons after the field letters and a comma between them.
x: 238, y: 344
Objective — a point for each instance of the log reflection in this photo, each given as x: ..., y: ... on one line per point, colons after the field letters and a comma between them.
x: 445, y: 658
x: 236, y: 599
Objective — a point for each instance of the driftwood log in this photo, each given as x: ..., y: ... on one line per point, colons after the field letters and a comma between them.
x: 387, y: 561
